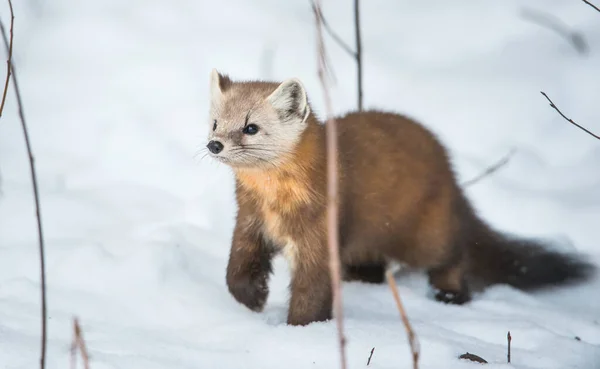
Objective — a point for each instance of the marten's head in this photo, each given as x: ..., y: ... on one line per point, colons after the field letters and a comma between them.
x: 255, y: 124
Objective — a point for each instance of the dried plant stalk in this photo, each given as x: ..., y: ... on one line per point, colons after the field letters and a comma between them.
x: 79, y: 343
x: 412, y: 338
x: 9, y: 60
x: 8, y: 46
x: 568, y: 119
x: 332, y: 192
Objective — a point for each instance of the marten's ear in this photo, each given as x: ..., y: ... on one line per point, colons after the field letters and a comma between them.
x: 218, y: 84
x: 290, y: 100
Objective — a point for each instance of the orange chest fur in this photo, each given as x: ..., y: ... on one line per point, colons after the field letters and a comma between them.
x: 278, y: 195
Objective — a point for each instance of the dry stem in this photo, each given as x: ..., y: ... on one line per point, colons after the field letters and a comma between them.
x: 79, y: 343
x: 8, y: 46
x: 412, y: 338
x: 317, y: 12
x: 332, y: 192
x: 568, y: 119
x: 592, y: 5
x: 509, y: 338
x: 356, y: 55
x: 9, y: 60
x: 370, y: 356
x: 329, y: 30
x: 490, y: 170
x: 547, y: 20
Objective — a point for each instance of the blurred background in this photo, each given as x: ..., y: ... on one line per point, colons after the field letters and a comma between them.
x: 138, y: 224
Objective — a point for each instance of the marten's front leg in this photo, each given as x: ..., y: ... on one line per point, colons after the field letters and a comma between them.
x: 249, y: 263
x: 311, y: 297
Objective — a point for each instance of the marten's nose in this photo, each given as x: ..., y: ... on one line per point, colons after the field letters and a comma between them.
x: 215, y: 147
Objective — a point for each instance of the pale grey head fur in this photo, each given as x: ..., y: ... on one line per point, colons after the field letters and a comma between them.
x: 280, y: 111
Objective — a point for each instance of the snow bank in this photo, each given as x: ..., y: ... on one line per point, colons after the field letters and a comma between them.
x: 138, y: 224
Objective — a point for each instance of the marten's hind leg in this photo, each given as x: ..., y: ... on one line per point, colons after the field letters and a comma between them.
x: 439, y: 246
x: 372, y: 272
x: 450, y: 283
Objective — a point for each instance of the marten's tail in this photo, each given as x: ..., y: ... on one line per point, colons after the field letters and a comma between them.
x: 521, y: 263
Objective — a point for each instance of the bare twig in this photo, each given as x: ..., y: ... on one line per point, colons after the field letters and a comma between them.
x: 568, y: 119
x: 329, y: 30
x: 9, y: 60
x: 370, y: 356
x: 490, y: 170
x: 326, y: 62
x: 551, y: 22
x: 509, y: 338
x: 79, y: 343
x: 36, y: 198
x: 358, y: 54
x: 412, y: 338
x: 332, y: 191
x: 592, y: 5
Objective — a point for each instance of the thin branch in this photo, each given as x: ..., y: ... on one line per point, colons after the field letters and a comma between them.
x: 36, y: 198
x: 508, y: 338
x: 328, y: 70
x: 337, y: 38
x: 412, y: 338
x: 592, y: 5
x: 547, y: 20
x: 568, y: 119
x: 370, y: 356
x: 490, y: 170
x: 9, y: 60
x: 358, y: 54
x: 332, y: 192
x: 79, y: 343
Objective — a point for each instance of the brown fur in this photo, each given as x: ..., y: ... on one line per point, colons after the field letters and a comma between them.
x: 399, y: 200
x: 287, y: 203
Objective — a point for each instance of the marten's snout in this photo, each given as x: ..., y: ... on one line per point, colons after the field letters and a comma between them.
x: 215, y: 146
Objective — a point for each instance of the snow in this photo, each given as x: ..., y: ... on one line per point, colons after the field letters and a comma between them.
x: 138, y: 224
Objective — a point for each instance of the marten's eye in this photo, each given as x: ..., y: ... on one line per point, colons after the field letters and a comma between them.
x: 250, y: 129
x: 215, y: 125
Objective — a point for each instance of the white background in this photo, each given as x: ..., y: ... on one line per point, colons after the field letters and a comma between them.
x: 138, y: 226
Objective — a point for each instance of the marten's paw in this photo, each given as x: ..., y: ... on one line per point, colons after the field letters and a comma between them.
x: 301, y: 320
x: 250, y: 292
x: 452, y: 297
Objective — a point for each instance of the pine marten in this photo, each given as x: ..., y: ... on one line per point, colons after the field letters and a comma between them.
x: 399, y: 200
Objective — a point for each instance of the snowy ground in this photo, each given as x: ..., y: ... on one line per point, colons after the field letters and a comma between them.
x: 138, y: 227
